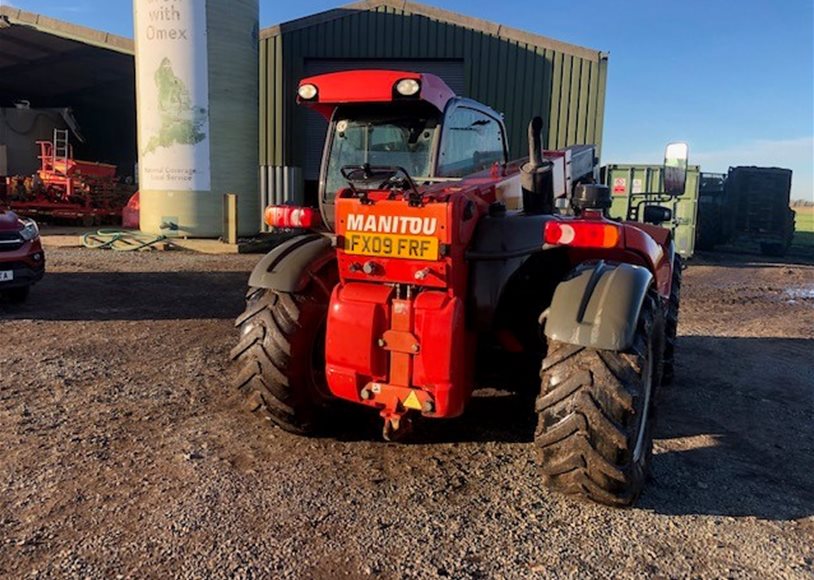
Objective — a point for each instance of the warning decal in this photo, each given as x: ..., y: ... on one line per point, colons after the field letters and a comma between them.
x: 412, y: 402
x: 619, y: 186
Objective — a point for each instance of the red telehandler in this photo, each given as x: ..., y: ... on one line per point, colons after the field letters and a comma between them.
x: 434, y: 260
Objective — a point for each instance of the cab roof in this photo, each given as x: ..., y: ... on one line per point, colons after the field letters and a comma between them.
x: 372, y: 86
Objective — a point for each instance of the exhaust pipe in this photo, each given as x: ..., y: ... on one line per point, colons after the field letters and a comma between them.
x: 535, y: 142
x: 536, y: 177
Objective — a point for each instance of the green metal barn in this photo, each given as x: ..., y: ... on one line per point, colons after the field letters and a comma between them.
x: 517, y: 73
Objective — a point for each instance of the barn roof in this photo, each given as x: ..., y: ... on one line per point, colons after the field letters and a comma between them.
x: 441, y: 15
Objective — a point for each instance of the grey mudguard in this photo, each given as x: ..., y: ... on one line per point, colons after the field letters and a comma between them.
x: 282, y: 268
x: 599, y: 306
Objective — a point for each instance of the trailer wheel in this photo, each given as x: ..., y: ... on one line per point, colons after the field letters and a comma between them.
x: 671, y: 323
x: 281, y: 357
x: 594, y: 433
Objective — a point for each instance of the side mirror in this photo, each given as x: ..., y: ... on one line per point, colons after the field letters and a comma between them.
x: 675, y: 169
x: 657, y: 214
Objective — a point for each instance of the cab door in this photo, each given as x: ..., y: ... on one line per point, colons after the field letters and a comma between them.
x: 472, y: 139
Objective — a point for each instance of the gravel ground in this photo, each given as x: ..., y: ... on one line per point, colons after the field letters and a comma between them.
x: 124, y: 453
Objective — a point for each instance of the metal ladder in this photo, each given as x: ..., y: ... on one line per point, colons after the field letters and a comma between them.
x: 62, y: 148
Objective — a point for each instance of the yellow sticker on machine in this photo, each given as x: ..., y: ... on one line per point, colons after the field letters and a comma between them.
x: 412, y: 402
x: 392, y: 246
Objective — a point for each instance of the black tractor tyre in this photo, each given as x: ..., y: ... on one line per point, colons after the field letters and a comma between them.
x: 596, y: 410
x: 671, y: 323
x: 17, y: 295
x: 281, y: 357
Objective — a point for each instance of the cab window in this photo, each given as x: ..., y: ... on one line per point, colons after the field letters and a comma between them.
x: 472, y: 141
x: 380, y: 136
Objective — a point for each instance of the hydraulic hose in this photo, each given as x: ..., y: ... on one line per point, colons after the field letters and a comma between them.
x: 120, y: 240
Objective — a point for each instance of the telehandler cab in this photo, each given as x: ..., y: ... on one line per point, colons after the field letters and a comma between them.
x: 433, y: 259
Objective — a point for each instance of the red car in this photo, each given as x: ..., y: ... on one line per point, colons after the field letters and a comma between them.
x: 22, y: 260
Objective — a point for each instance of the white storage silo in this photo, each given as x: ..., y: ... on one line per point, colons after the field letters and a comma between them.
x: 197, y: 99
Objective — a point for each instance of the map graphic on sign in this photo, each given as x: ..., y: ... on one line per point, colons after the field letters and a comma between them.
x: 172, y: 79
x: 181, y: 122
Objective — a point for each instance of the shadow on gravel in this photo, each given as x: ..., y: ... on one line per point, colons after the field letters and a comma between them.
x: 105, y: 296
x: 490, y: 416
x: 736, y: 431
x: 735, y: 435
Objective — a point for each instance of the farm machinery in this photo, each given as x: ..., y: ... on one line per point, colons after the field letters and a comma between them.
x: 68, y: 189
x: 747, y: 206
x: 434, y: 261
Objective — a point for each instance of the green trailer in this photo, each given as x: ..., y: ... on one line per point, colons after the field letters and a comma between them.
x: 629, y: 183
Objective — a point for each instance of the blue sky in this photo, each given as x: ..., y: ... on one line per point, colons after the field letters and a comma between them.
x: 734, y: 78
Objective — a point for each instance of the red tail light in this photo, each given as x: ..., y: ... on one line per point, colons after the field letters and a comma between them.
x: 582, y: 234
x: 291, y: 216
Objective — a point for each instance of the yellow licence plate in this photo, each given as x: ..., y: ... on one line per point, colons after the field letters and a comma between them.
x: 392, y: 246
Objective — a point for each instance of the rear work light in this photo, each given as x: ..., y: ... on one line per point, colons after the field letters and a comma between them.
x: 408, y: 87
x: 291, y: 216
x: 581, y: 234
x: 307, y: 92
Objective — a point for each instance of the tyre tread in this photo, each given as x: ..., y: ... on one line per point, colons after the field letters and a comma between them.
x: 587, y: 418
x: 265, y: 359
x: 671, y: 323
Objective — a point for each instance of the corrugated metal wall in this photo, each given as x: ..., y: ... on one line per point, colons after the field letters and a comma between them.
x: 511, y: 72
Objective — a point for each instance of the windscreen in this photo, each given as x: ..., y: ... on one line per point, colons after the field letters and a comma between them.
x: 394, y: 135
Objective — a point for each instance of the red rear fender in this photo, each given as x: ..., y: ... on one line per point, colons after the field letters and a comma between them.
x: 636, y: 243
x: 654, y: 244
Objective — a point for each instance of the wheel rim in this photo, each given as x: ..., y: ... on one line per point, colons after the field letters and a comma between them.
x: 638, y: 450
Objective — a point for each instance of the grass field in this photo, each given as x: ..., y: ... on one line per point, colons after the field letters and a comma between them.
x: 804, y: 221
x: 804, y: 227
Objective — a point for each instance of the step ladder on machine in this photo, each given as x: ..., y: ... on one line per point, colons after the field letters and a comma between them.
x: 62, y: 147
x: 60, y: 153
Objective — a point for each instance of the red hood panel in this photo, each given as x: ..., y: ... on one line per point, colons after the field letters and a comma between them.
x: 371, y: 86
x: 9, y: 222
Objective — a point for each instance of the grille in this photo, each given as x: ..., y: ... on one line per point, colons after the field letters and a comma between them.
x: 14, y: 266
x: 10, y: 241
